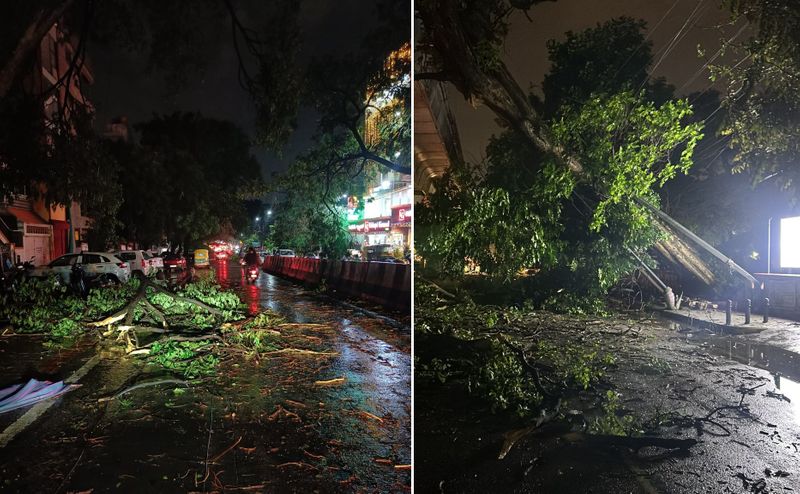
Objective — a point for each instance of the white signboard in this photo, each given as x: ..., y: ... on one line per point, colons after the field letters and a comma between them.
x: 790, y: 242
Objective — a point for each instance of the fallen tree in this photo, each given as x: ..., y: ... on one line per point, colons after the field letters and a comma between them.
x: 464, y: 41
x: 188, y: 328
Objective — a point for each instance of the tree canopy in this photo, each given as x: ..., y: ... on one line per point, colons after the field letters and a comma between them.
x: 762, y: 87
x: 266, y: 39
x: 187, y: 180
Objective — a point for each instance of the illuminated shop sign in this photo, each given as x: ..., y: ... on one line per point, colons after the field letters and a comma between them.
x: 401, y: 215
x: 371, y: 226
x: 355, y: 209
x: 355, y: 215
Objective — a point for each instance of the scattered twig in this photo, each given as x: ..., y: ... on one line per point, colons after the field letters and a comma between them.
x: 226, y: 450
x: 300, y: 351
x: 370, y: 416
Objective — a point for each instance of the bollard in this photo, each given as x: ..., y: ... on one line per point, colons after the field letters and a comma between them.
x: 728, y: 314
x: 766, y: 310
x: 748, y: 306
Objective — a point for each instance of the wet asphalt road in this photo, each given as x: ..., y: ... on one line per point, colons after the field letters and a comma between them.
x: 740, y: 401
x: 259, y: 425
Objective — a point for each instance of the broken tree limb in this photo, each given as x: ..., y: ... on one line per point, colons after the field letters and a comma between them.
x: 127, y: 312
x: 438, y: 288
x: 155, y: 312
x: 530, y: 368
x: 634, y: 443
x: 331, y: 382
x: 143, y: 385
x: 510, y: 438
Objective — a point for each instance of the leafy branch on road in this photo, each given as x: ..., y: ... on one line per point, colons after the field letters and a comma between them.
x: 188, y: 329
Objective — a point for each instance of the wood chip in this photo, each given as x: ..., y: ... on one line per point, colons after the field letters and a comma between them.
x: 331, y: 382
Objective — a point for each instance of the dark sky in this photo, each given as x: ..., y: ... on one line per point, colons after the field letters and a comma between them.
x: 124, y: 87
x: 526, y: 52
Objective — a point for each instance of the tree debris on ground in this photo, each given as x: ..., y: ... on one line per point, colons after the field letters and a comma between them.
x: 187, y: 329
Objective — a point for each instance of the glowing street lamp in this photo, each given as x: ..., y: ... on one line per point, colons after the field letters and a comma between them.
x: 269, y: 213
x: 258, y: 218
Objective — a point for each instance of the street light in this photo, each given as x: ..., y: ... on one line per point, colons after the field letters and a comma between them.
x: 269, y: 213
x: 258, y: 218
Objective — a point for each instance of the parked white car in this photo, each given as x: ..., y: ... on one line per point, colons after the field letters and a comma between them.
x: 94, y: 264
x: 286, y: 253
x: 141, y: 261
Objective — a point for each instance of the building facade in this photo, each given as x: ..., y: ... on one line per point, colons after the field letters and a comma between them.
x: 383, y: 215
x: 436, y: 141
x: 36, y: 231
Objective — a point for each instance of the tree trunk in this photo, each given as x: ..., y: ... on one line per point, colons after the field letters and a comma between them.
x: 496, y: 88
x: 42, y: 21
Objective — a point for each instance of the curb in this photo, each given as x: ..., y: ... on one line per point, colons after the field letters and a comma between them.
x: 704, y: 323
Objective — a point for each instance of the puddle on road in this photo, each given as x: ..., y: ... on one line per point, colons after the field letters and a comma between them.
x: 782, y: 364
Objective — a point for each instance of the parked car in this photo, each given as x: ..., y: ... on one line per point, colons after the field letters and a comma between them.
x: 173, y: 261
x: 140, y: 261
x: 94, y: 264
x: 156, y: 262
x: 286, y: 253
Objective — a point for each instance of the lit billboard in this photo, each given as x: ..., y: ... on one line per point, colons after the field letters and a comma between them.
x: 790, y: 242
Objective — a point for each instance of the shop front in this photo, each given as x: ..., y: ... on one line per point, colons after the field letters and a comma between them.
x: 374, y: 231
x: 401, y: 225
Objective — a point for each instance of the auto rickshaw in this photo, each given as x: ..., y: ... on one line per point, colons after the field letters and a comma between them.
x: 201, y: 258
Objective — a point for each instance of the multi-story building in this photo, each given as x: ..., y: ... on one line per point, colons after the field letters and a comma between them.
x: 35, y: 230
x: 383, y: 215
x: 436, y: 141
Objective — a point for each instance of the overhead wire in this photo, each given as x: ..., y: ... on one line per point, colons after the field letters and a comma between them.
x: 693, y: 18
x: 645, y: 40
x: 716, y: 55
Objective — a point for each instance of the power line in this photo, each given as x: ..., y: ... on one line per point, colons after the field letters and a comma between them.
x: 693, y: 18
x: 645, y: 40
x: 714, y: 57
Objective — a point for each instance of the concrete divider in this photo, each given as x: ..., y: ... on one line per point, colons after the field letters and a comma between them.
x: 382, y: 283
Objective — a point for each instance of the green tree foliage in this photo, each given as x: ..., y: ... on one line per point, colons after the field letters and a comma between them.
x: 311, y: 215
x: 575, y: 230
x: 763, y: 83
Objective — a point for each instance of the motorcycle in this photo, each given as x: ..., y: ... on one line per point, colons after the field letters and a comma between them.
x: 80, y: 284
x: 9, y: 280
x: 251, y: 274
x: 77, y: 281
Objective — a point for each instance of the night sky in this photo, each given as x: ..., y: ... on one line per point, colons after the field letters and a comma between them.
x: 124, y: 87
x: 526, y: 51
